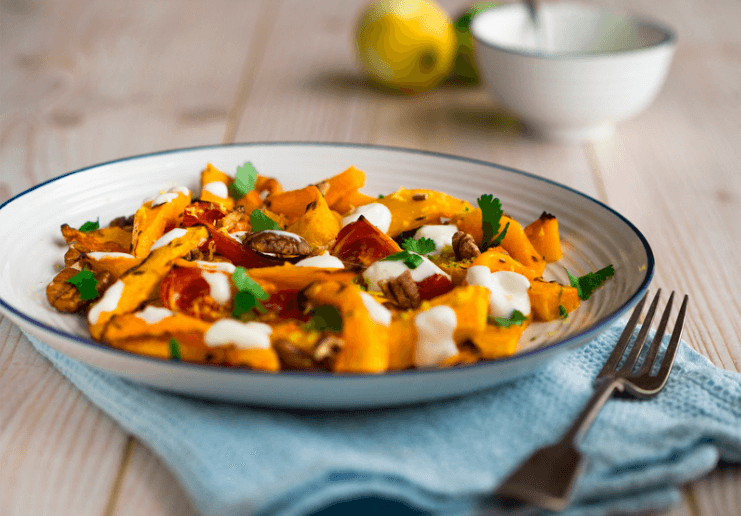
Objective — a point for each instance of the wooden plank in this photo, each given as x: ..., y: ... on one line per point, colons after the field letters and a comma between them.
x: 85, y: 82
x: 673, y: 171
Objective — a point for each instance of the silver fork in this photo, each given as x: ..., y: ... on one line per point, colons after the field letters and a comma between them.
x: 547, y: 477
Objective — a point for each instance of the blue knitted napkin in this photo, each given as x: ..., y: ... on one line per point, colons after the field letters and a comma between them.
x: 439, y: 458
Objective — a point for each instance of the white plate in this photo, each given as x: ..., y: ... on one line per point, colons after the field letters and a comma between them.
x: 593, y: 236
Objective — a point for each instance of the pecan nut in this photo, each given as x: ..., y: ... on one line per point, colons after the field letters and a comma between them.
x: 464, y: 246
x: 327, y: 350
x: 65, y: 297
x: 122, y: 222
x: 402, y: 291
x: 280, y: 243
x: 292, y: 357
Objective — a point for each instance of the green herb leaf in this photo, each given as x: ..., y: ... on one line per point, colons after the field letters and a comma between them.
x: 381, y: 196
x: 86, y: 284
x: 562, y: 313
x: 326, y: 317
x: 250, y: 292
x: 515, y: 319
x: 89, y: 226
x: 588, y: 283
x: 244, y: 182
x: 175, y: 349
x: 246, y: 284
x: 411, y: 260
x: 491, y: 214
x: 419, y: 246
x: 261, y: 222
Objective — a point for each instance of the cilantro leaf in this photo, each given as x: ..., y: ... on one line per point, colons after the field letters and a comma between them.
x: 246, y: 284
x: 419, y: 246
x: 515, y: 319
x: 250, y: 292
x: 562, y: 312
x: 261, y: 222
x: 89, y: 226
x: 411, y: 260
x: 175, y: 349
x: 588, y: 283
x: 491, y: 215
x: 326, y: 317
x: 86, y: 284
x: 244, y: 182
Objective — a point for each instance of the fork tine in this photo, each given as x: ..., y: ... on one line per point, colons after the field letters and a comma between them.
x: 653, y: 350
x: 671, y: 349
x: 641, y: 338
x: 619, y: 349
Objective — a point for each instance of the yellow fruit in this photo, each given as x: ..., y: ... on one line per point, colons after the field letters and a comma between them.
x: 407, y: 45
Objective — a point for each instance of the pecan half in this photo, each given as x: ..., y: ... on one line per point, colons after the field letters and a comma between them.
x: 402, y: 291
x: 327, y: 350
x: 65, y: 297
x: 464, y: 246
x: 292, y: 357
x: 279, y: 243
x: 122, y: 222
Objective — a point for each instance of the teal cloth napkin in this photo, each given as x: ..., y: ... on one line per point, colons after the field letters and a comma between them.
x: 437, y: 458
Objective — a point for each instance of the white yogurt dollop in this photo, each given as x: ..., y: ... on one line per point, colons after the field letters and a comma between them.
x: 388, y: 270
x: 220, y: 288
x: 154, y: 314
x: 375, y: 213
x: 164, y: 199
x: 435, y: 329
x: 251, y: 335
x: 215, y: 266
x: 107, y: 303
x: 217, y: 188
x: 101, y: 255
x: 379, y: 313
x: 441, y: 234
x: 507, y: 290
x: 167, y: 238
x: 324, y: 260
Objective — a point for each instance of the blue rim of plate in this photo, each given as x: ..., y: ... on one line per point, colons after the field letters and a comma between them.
x: 567, y: 343
x: 669, y: 38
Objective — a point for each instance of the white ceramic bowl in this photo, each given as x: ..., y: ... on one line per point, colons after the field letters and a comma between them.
x: 585, y: 70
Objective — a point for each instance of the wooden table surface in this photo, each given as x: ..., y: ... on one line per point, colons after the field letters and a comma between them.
x: 83, y: 82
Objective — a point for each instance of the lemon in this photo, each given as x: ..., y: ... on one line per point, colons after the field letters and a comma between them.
x: 465, y: 66
x: 407, y: 45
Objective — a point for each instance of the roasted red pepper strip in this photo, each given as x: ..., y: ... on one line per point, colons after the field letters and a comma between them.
x: 362, y: 243
x: 201, y: 212
x: 236, y: 253
x: 434, y: 286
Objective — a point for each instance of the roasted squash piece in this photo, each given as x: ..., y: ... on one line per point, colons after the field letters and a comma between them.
x: 498, y: 341
x: 470, y: 222
x: 343, y: 184
x: 112, y: 239
x: 413, y: 208
x: 347, y: 204
x: 219, y: 195
x: 292, y: 204
x: 290, y: 277
x: 543, y: 234
x: 264, y: 187
x: 134, y: 326
x: 497, y: 259
x: 150, y: 223
x: 262, y: 359
x: 115, y: 263
x: 519, y: 247
x: 318, y: 224
x: 366, y: 343
x: 141, y: 283
x: 362, y: 243
x: 547, y: 297
x: 471, y: 306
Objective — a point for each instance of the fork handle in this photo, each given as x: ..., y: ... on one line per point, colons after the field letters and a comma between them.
x: 583, y: 423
